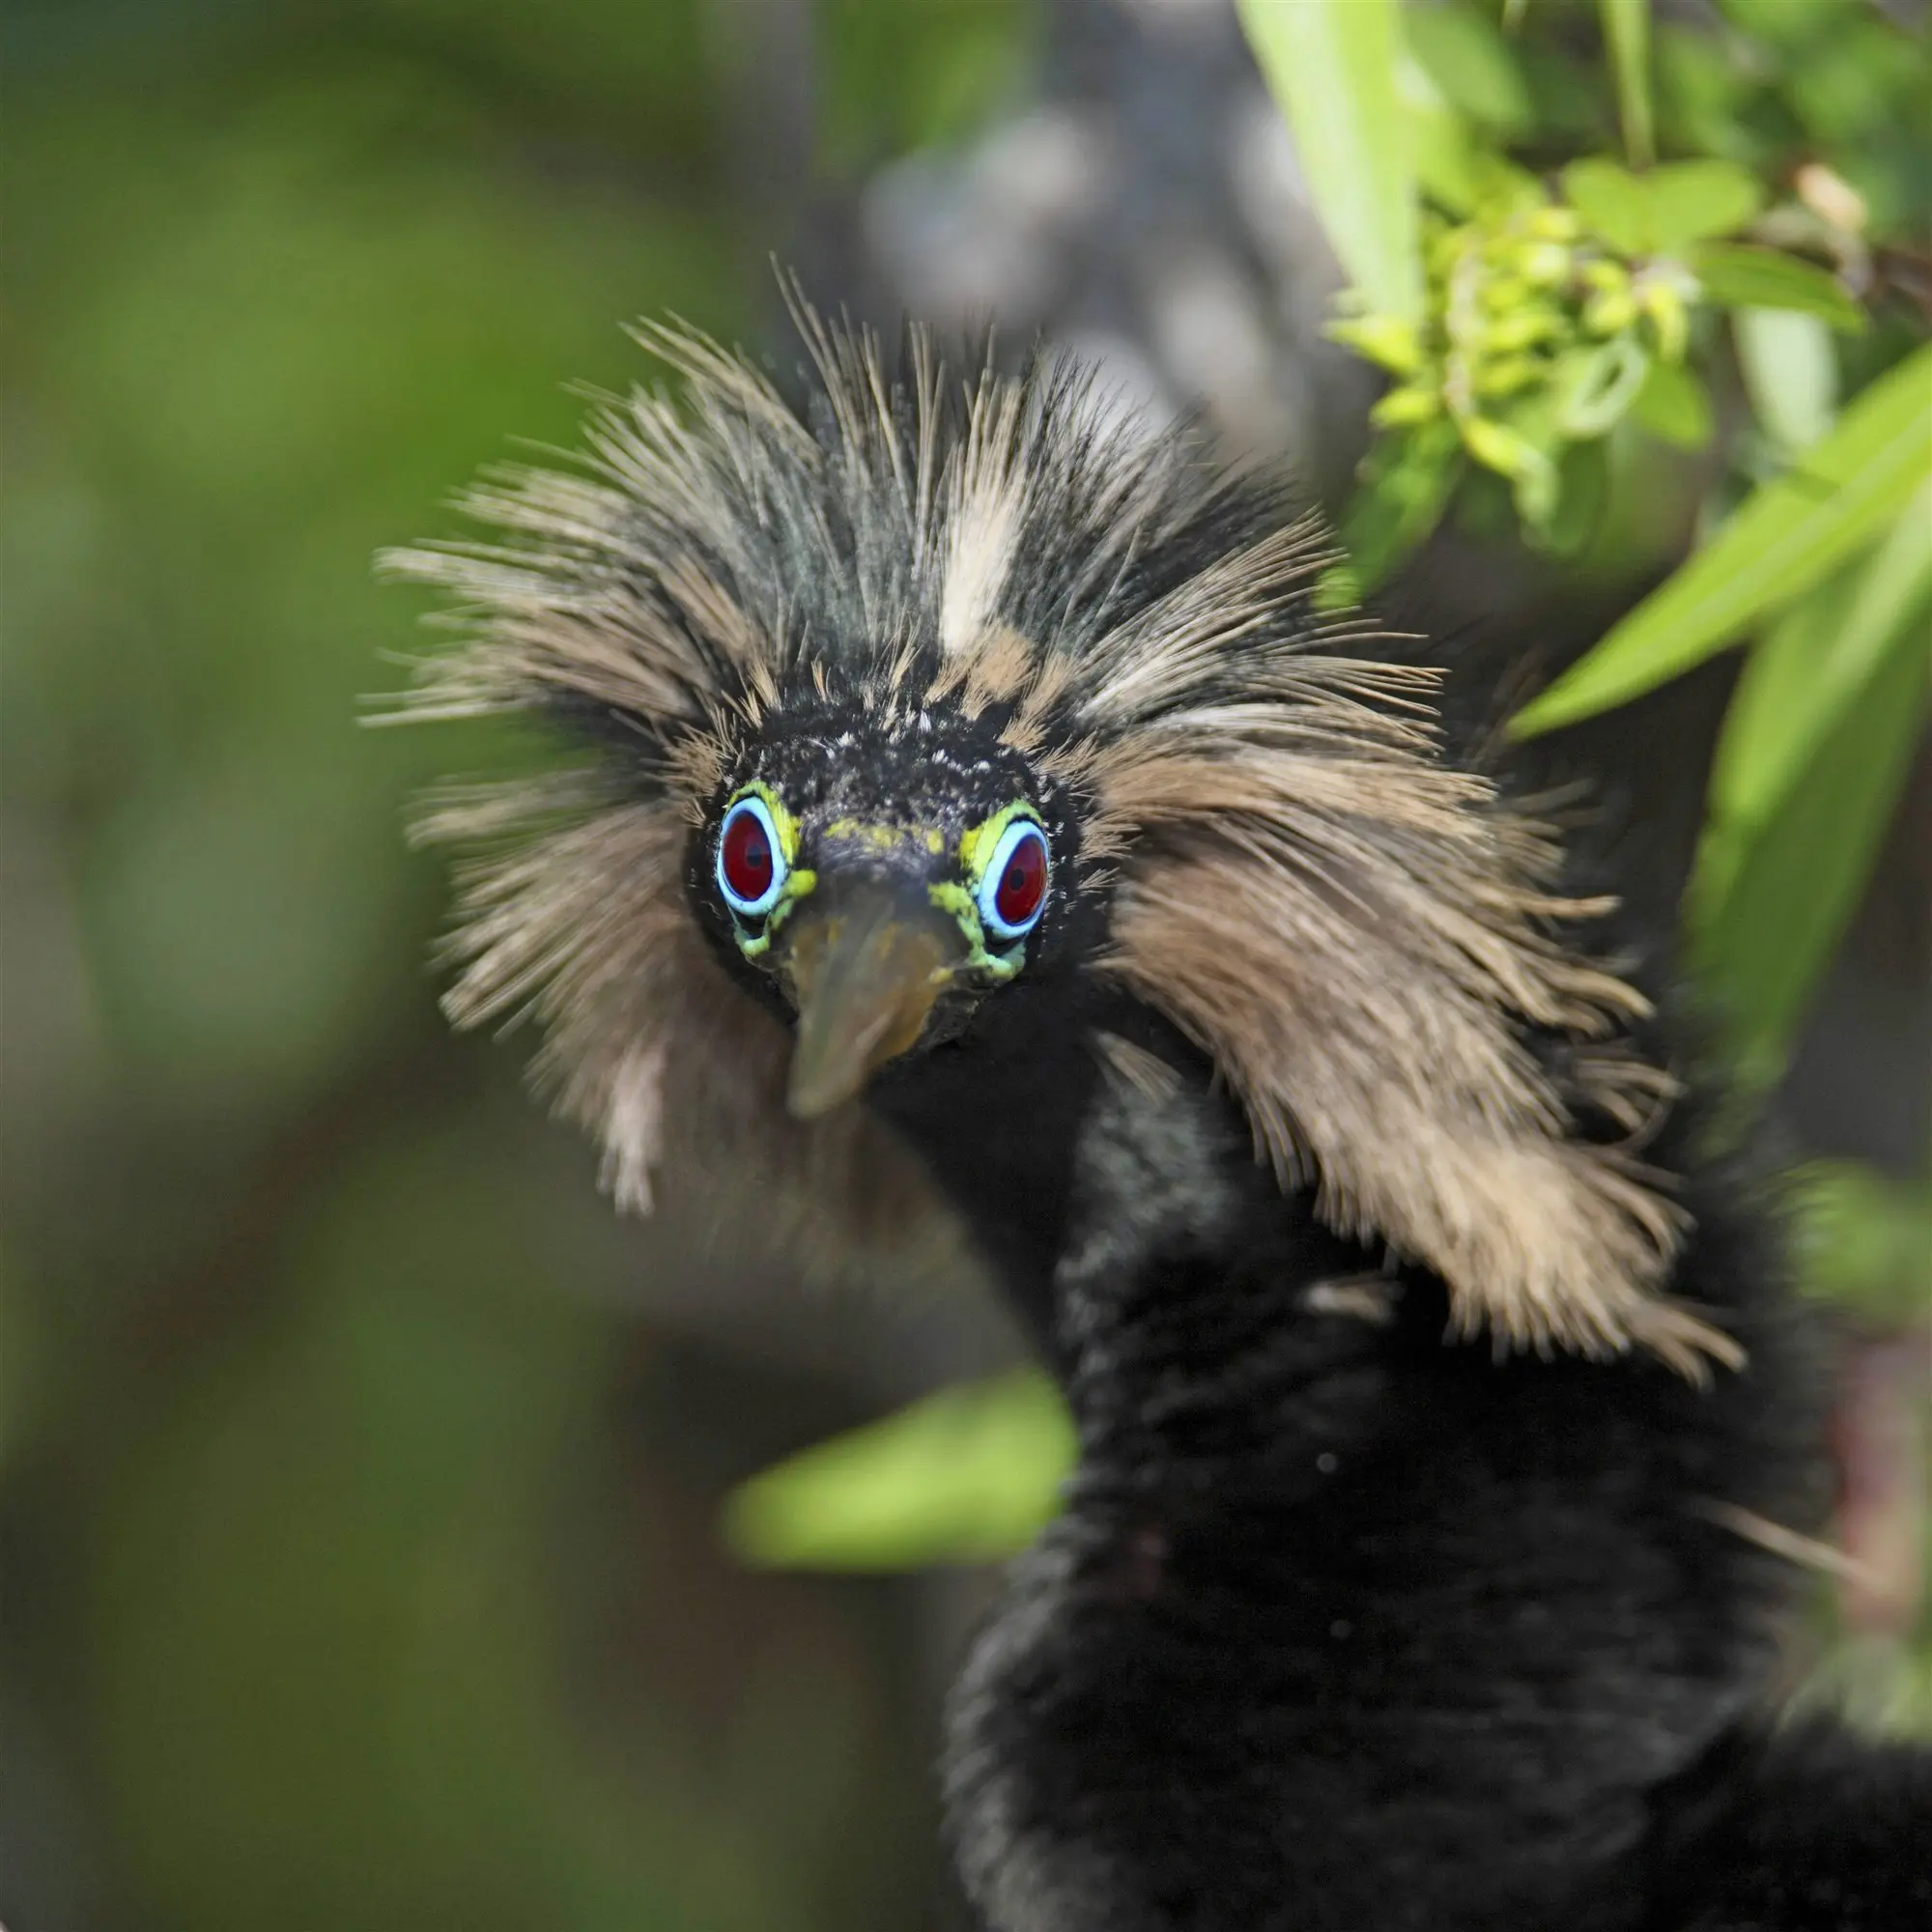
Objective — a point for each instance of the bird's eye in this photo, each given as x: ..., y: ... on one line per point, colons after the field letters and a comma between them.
x: 1012, y: 889
x: 750, y: 863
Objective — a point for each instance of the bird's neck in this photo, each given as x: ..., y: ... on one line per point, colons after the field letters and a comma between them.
x: 1115, y: 1190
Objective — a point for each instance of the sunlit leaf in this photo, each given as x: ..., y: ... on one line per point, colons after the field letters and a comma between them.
x: 1611, y: 200
x: 1760, y: 948
x: 1665, y: 210
x: 1443, y: 151
x: 1815, y: 665
x: 1735, y: 275
x: 1787, y: 535
x: 1471, y: 67
x: 1627, y: 34
x: 1331, y: 65
x: 1696, y: 200
x: 965, y: 1476
x: 1790, y: 372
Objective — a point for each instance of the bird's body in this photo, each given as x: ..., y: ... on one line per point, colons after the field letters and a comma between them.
x: 1424, y: 1366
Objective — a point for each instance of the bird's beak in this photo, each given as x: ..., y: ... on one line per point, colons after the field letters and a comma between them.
x: 864, y: 968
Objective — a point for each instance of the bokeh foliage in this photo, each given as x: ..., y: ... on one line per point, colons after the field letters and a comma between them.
x: 359, y: 1535
x: 358, y: 1530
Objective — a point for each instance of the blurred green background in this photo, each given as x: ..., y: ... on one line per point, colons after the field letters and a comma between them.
x: 360, y: 1475
x: 358, y: 1529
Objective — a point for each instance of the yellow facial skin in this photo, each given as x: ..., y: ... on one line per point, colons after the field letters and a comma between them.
x: 975, y: 849
x: 799, y: 880
x: 883, y: 837
x: 957, y: 897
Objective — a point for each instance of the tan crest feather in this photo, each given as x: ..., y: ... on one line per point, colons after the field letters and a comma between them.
x: 584, y: 927
x: 1358, y: 933
x: 1355, y: 961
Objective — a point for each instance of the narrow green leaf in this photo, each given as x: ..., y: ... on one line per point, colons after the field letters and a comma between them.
x: 1791, y: 375
x: 1801, y: 680
x: 1674, y: 406
x: 1771, y: 690
x: 1786, y: 537
x: 1584, y: 490
x: 968, y: 1475
x: 1406, y: 482
x: 1627, y: 35
x: 1331, y: 67
x: 1472, y: 67
x: 1442, y: 147
x: 1734, y: 276
x: 1696, y: 201
x: 1798, y: 882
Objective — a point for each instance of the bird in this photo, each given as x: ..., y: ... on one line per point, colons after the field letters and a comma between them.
x: 966, y: 792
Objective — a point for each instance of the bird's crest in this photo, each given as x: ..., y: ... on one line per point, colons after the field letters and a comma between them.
x: 1360, y: 934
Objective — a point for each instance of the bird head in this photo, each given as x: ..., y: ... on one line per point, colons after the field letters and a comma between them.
x: 934, y: 700
x: 879, y: 871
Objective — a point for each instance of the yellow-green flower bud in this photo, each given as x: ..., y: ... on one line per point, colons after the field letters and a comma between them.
x: 1554, y: 224
x: 1413, y: 403
x: 1546, y: 265
x: 1506, y: 377
x: 1505, y: 293
x: 1609, y: 313
x: 1668, y: 317
x: 1525, y: 328
x: 1606, y: 277
x: 1385, y: 340
x: 1495, y: 447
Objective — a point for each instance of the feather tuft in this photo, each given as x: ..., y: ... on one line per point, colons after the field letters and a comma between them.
x: 1359, y: 933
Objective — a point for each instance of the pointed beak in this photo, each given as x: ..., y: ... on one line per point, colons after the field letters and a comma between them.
x: 864, y: 970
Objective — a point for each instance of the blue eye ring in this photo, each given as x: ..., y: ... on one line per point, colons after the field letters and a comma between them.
x: 750, y: 851
x: 1013, y: 890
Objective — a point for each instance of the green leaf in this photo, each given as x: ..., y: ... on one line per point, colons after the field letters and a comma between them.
x: 1801, y: 681
x: 1674, y: 406
x: 1734, y: 276
x: 1406, y: 480
x: 1594, y: 396
x: 1584, y: 477
x: 1865, y: 1240
x: 1694, y: 201
x: 1471, y: 67
x: 1786, y: 537
x: 1627, y: 35
x: 1449, y: 165
x: 1612, y: 201
x: 1790, y: 373
x: 1331, y: 67
x: 1666, y: 210
x: 968, y: 1475
x: 1761, y: 947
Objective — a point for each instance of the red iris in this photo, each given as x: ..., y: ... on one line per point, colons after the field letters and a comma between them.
x: 1023, y: 883
x: 745, y: 855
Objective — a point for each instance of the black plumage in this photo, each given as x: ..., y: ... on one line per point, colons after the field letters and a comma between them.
x: 1434, y: 1379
